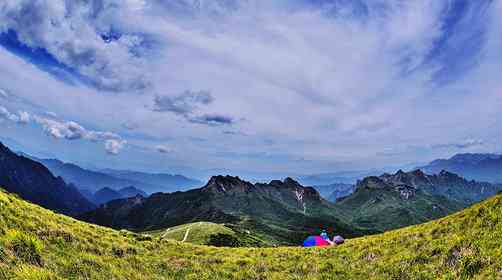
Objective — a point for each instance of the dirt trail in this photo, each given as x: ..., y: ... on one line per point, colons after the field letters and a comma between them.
x: 186, y: 235
x: 165, y: 233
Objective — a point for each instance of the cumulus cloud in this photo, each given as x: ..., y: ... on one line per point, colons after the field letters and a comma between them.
x: 7, y: 115
x: 21, y: 117
x: 62, y: 130
x: 70, y: 130
x: 77, y: 35
x: 113, y: 146
x: 24, y: 117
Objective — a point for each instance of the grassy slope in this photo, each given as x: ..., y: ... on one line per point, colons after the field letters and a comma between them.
x: 384, y: 210
x: 198, y: 232
x: 206, y: 233
x: 37, y: 244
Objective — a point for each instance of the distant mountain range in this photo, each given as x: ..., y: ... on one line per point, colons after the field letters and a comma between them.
x: 282, y: 212
x: 105, y: 195
x: 34, y: 182
x: 404, y: 198
x: 335, y: 191
x: 164, y: 182
x: 93, y: 181
x: 344, y: 177
x: 480, y: 167
x: 278, y: 212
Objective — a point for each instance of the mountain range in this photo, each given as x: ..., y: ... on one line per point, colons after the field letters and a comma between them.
x: 34, y: 182
x: 395, y: 200
x: 344, y: 177
x: 333, y: 192
x: 480, y: 167
x: 282, y: 212
x: 93, y: 181
x: 38, y: 244
x: 105, y: 195
x: 278, y: 212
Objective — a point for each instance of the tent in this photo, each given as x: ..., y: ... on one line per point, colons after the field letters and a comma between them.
x: 313, y: 241
x: 338, y: 240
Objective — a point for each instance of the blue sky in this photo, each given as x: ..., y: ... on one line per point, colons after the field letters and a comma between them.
x: 250, y: 87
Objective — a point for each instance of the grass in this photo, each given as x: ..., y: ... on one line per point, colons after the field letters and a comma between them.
x: 207, y: 233
x: 198, y: 233
x: 38, y: 244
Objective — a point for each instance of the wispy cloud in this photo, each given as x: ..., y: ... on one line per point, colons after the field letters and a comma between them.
x: 164, y: 149
x: 188, y: 105
x: 323, y: 80
x: 183, y: 104
x: 468, y: 143
x: 213, y: 120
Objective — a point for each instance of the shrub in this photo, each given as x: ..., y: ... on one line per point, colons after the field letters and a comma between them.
x: 224, y: 240
x: 144, y: 237
x: 24, y: 246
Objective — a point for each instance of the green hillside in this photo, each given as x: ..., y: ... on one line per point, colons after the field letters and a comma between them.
x: 207, y: 233
x: 280, y: 212
x: 37, y: 244
x: 385, y: 208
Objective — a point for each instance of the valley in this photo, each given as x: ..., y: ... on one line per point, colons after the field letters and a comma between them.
x: 465, y: 245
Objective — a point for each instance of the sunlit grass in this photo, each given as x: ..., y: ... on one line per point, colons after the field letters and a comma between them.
x: 466, y: 245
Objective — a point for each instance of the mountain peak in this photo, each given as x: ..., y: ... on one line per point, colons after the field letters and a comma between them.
x: 223, y: 184
x: 291, y: 181
x: 372, y: 182
x: 447, y: 174
x: 3, y: 147
x: 418, y: 173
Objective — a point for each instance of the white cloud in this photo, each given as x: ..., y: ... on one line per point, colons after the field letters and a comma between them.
x: 7, y: 115
x: 24, y: 117
x: 114, y: 146
x: 72, y: 33
x: 21, y: 117
x: 51, y: 114
x: 73, y: 131
x: 62, y: 130
x: 304, y: 82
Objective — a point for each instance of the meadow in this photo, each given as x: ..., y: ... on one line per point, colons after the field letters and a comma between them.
x: 36, y: 243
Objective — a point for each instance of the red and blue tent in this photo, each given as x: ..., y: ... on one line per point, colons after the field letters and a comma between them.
x: 313, y: 241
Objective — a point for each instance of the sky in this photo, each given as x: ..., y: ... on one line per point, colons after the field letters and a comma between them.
x: 252, y: 88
